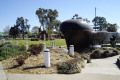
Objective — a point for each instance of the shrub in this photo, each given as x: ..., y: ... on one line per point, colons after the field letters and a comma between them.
x: 106, y: 53
x: 76, y: 55
x: 89, y: 60
x: 96, y: 54
x: 34, y: 39
x: 11, y: 50
x: 85, y: 56
x: 32, y: 45
x: 52, y: 39
x: 22, y: 48
x: 2, y: 44
x: 26, y: 55
x: 118, y: 48
x: 47, y: 39
x: 1, y: 58
x: 36, y: 49
x: 116, y: 52
x: 20, y: 60
x: 71, y: 67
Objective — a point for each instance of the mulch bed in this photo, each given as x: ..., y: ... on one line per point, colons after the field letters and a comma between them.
x: 35, y: 64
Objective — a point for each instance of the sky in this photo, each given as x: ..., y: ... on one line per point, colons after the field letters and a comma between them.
x: 11, y: 9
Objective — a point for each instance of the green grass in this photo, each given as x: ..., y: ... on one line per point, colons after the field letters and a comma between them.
x: 58, y: 42
x: 7, y: 52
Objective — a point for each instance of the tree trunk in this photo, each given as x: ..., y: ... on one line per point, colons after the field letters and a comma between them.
x: 23, y: 35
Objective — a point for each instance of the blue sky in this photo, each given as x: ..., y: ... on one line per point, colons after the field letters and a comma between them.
x: 11, y: 9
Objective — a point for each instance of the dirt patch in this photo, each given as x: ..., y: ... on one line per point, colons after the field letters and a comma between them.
x: 35, y: 64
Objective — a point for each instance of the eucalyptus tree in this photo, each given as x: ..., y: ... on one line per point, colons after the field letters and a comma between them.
x: 47, y: 19
x: 112, y: 27
x: 35, y: 30
x: 100, y: 22
x: 76, y: 16
x: 56, y: 25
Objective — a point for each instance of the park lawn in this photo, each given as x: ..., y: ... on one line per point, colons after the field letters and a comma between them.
x: 58, y: 42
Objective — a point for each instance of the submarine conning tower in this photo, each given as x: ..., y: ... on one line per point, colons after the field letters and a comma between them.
x: 77, y: 32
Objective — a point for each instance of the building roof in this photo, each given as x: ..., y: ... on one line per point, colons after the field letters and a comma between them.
x: 3, y: 34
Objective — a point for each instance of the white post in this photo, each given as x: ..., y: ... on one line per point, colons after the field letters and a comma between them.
x: 71, y: 50
x: 10, y: 41
x: 16, y: 43
x: 26, y: 45
x: 3, y: 40
x: 44, y: 46
x: 47, y: 58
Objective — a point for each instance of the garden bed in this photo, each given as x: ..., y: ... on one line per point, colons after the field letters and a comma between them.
x: 104, y: 53
x: 35, y: 64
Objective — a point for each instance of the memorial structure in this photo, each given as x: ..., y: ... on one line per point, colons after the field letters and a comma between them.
x: 80, y: 34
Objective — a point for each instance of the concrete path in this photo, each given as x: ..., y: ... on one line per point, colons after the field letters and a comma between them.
x: 2, y: 73
x: 99, y: 69
x: 103, y: 66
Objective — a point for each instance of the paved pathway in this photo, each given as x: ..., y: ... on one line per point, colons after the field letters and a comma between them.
x: 103, y: 66
x: 2, y: 73
x: 99, y: 69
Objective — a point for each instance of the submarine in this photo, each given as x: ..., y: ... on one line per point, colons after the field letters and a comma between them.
x: 80, y: 34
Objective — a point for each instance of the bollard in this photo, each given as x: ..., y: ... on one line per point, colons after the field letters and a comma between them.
x: 10, y: 41
x: 3, y: 40
x: 26, y: 45
x: 54, y: 44
x: 71, y: 50
x: 44, y: 46
x: 47, y: 58
x: 16, y: 43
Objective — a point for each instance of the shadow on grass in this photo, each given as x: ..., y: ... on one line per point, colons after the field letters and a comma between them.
x: 34, y: 67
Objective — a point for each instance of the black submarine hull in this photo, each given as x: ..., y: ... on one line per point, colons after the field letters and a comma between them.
x: 80, y: 34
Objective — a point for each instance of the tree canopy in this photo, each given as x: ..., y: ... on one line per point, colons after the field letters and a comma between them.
x: 35, y: 30
x: 14, y: 31
x: 99, y: 21
x: 21, y: 27
x: 112, y: 27
x: 76, y: 16
x: 7, y: 29
x: 47, y: 19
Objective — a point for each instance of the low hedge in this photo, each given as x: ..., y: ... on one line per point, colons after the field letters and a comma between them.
x: 96, y: 54
x: 104, y: 53
x: 34, y: 39
x: 71, y: 67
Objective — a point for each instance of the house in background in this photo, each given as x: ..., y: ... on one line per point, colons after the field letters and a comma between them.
x: 4, y: 35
